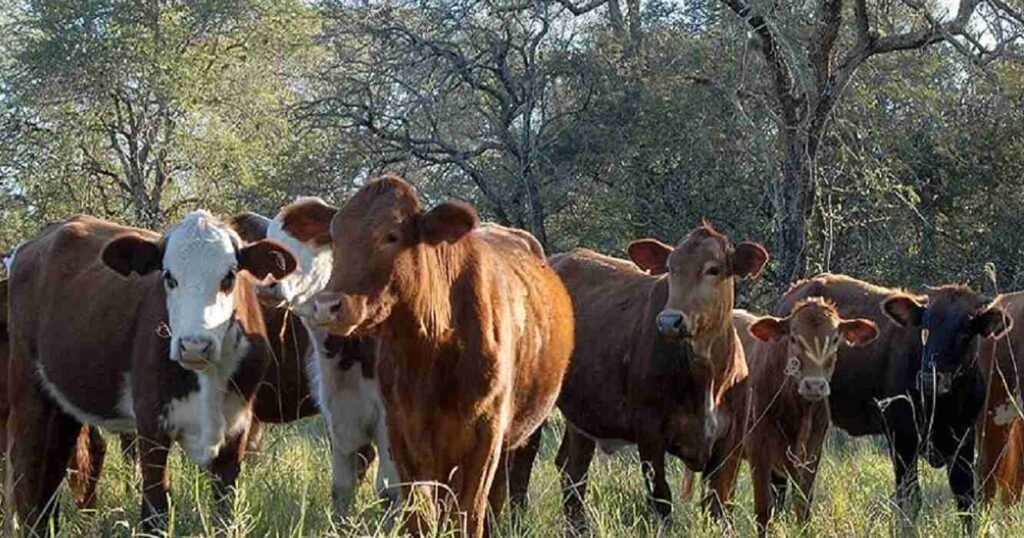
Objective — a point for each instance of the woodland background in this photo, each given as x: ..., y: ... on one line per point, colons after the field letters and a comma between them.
x: 881, y: 138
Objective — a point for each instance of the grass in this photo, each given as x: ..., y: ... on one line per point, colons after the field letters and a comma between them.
x: 285, y: 491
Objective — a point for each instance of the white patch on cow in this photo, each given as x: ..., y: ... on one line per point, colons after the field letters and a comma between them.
x: 1005, y: 414
x: 200, y: 251
x: 202, y: 421
x: 312, y: 271
x: 124, y: 424
x: 608, y: 446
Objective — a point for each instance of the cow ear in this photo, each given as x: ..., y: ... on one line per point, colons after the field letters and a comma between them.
x: 748, y: 260
x: 447, y: 223
x: 858, y: 332
x: 992, y: 323
x: 769, y: 328
x: 251, y: 227
x: 309, y: 221
x: 650, y: 255
x: 129, y: 254
x: 266, y: 257
x: 903, y: 310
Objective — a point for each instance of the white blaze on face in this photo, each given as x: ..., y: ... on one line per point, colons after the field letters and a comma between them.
x: 311, y: 274
x: 199, y: 253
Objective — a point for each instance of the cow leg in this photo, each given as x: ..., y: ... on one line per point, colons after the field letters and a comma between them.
x: 904, y: 460
x: 806, y: 484
x: 720, y: 478
x: 761, y: 477
x: 652, y: 461
x: 780, y: 489
x: 224, y: 470
x: 686, y: 486
x: 480, y: 466
x: 345, y: 473
x: 961, y: 481
x: 366, y: 456
x: 129, y: 448
x: 154, y: 445
x: 573, y: 460
x: 499, y: 491
x: 40, y: 454
x: 257, y: 432
x: 387, y: 471
x: 87, y: 466
x: 522, y: 466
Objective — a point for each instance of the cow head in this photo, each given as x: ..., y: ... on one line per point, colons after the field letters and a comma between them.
x: 701, y: 270
x: 949, y: 320
x: 813, y: 333
x: 315, y: 259
x: 377, y: 233
x: 199, y: 259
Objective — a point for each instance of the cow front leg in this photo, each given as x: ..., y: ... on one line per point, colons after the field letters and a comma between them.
x: 961, y: 482
x: 87, y: 466
x: 761, y: 477
x: 224, y: 470
x: 387, y: 483
x: 720, y: 478
x: 903, y: 452
x: 478, y: 470
x: 573, y: 461
x: 154, y: 446
x: 652, y: 462
x: 522, y: 466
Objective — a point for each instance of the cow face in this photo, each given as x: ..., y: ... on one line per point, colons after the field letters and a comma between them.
x: 813, y: 332
x: 315, y: 259
x: 378, y: 234
x: 701, y: 270
x: 949, y: 320
x: 199, y: 259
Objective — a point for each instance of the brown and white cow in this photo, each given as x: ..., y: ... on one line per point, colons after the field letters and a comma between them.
x: 657, y: 356
x: 175, y: 353
x: 1000, y: 427
x: 475, y: 333
x: 342, y: 371
x: 787, y: 414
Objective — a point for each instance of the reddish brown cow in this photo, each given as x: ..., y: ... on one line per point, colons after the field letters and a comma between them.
x: 787, y: 414
x: 657, y: 357
x: 1000, y: 428
x: 175, y: 354
x: 475, y: 335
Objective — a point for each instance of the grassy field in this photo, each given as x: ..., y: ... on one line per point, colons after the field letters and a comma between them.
x: 285, y: 491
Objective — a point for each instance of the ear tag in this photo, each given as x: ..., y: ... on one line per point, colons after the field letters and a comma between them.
x: 792, y: 366
x: 924, y: 336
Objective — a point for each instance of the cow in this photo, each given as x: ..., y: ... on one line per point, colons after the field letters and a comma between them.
x: 918, y: 383
x: 787, y: 414
x: 343, y: 371
x: 657, y: 357
x: 1000, y: 428
x: 475, y: 332
x: 174, y: 354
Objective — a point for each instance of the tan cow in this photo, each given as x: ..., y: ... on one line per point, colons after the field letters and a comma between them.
x: 176, y: 353
x: 476, y: 333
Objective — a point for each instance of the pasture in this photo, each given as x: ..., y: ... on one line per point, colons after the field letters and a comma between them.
x: 285, y: 491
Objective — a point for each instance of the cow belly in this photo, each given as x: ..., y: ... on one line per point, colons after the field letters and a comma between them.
x: 606, y: 444
x: 203, y: 420
x: 120, y: 418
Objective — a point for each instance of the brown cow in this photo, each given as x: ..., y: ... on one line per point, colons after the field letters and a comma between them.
x: 175, y: 354
x: 475, y: 335
x: 657, y: 357
x: 1000, y: 428
x: 787, y: 413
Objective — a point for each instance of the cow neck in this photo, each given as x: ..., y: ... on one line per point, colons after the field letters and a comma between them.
x: 423, y: 311
x: 793, y: 414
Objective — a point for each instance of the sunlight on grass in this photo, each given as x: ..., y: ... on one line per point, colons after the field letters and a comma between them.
x: 285, y: 491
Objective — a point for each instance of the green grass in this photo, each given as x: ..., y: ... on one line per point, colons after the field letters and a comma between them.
x: 285, y: 491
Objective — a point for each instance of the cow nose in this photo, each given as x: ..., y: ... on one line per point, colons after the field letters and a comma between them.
x: 325, y: 309
x: 814, y: 389
x: 195, y: 351
x: 673, y: 324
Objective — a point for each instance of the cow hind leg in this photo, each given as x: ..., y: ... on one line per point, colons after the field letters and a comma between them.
x: 573, y: 460
x: 87, y: 466
x: 522, y: 466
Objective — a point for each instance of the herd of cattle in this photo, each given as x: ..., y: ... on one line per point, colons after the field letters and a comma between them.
x: 446, y: 344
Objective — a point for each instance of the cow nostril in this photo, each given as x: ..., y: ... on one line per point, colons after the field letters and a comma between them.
x: 335, y: 308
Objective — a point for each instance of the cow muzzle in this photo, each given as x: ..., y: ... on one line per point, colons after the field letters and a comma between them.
x: 814, y: 389
x: 195, y: 353
x: 339, y: 314
x: 673, y: 324
x: 933, y: 381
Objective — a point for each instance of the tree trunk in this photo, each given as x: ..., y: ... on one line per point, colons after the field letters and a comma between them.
x: 793, y: 200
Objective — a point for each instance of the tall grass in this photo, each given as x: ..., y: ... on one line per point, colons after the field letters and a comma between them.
x: 285, y: 491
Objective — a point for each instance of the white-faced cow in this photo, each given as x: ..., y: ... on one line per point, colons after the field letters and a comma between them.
x: 175, y: 353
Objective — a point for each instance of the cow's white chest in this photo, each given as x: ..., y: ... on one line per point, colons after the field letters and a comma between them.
x: 203, y: 420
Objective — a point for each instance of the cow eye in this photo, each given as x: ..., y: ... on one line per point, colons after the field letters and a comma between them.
x: 228, y: 283
x: 391, y: 238
x: 169, y: 280
x: 713, y: 271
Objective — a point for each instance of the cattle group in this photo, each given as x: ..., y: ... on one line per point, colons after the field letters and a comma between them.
x: 440, y: 346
